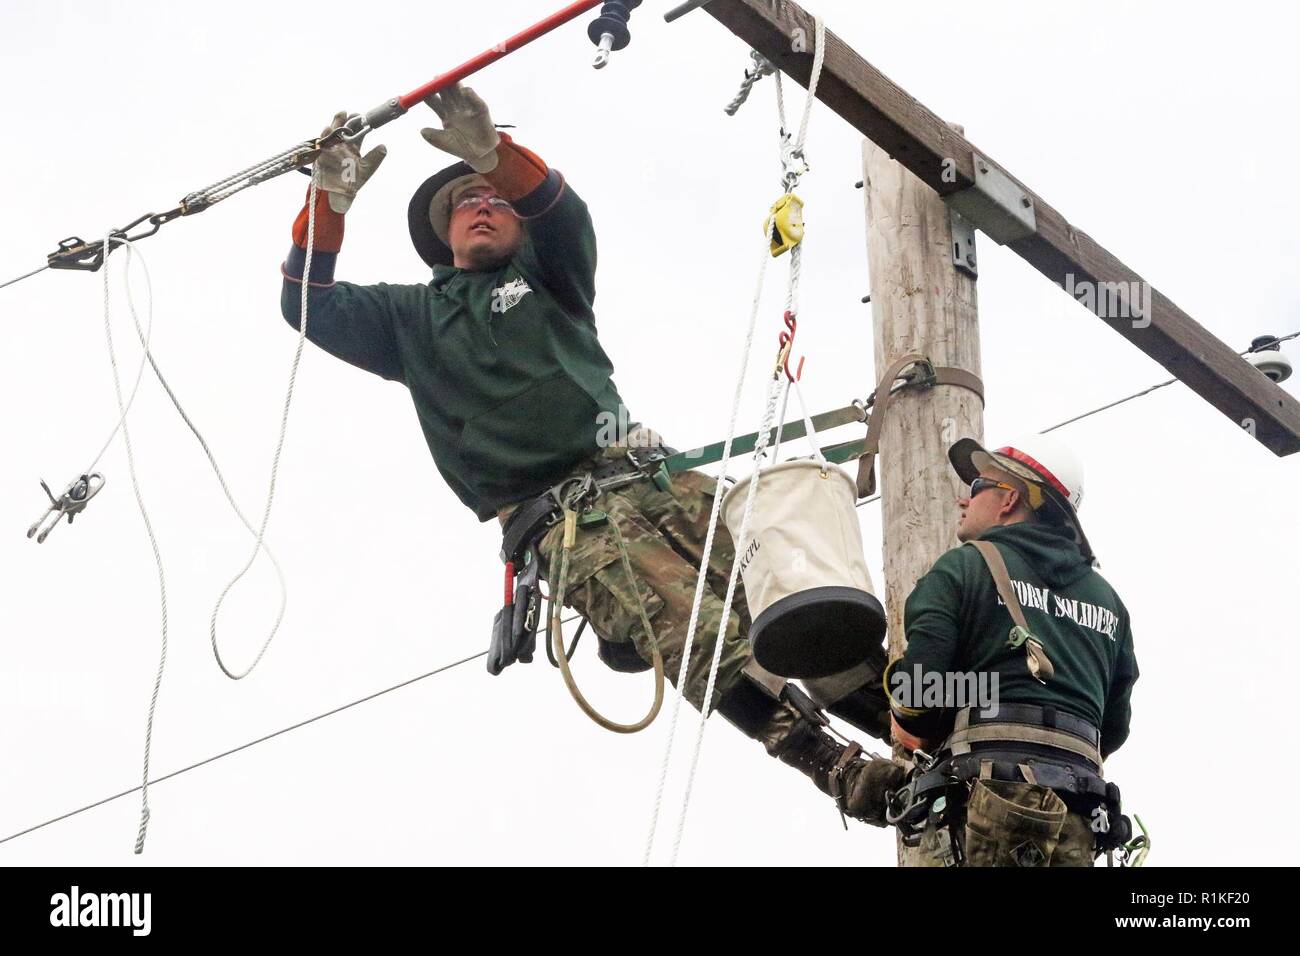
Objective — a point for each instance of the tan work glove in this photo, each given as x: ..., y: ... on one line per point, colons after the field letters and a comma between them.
x: 467, y: 131
x: 342, y: 168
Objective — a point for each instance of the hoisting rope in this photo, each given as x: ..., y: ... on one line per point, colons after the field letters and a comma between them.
x: 791, y: 158
x: 762, y: 67
x: 148, y: 526
x: 145, y: 336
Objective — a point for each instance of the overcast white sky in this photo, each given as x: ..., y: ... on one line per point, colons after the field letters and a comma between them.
x: 1151, y: 126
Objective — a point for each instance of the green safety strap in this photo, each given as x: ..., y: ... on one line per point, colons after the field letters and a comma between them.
x: 928, y: 375
x: 708, y: 454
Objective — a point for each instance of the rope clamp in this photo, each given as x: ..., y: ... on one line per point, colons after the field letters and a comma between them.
x: 784, y: 225
x: 72, y: 502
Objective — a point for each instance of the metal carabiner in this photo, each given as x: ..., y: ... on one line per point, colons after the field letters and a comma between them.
x: 72, y: 502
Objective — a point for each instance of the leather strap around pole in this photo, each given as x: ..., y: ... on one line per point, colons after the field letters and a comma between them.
x: 943, y: 375
x: 960, y: 378
x: 871, y: 446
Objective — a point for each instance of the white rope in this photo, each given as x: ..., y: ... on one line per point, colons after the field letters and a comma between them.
x: 762, y: 68
x: 275, y: 459
x: 701, y: 580
x: 759, y: 454
x: 124, y: 405
x: 153, y: 542
x: 144, y: 335
x: 742, y: 541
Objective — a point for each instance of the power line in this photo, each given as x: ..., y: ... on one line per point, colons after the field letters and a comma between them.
x: 25, y: 275
x: 1152, y: 388
x: 244, y: 746
x: 1128, y: 398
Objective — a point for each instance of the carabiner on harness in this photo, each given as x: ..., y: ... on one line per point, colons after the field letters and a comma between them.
x: 72, y: 502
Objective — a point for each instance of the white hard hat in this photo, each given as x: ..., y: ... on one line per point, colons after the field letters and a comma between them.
x: 1050, y: 469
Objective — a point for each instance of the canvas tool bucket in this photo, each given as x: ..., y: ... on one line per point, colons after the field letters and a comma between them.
x: 806, y: 580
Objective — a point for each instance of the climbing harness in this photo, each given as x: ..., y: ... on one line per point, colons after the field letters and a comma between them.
x: 72, y: 502
x: 573, y: 502
x: 1020, y: 743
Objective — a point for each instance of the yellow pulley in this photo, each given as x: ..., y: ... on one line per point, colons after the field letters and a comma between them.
x: 784, y: 224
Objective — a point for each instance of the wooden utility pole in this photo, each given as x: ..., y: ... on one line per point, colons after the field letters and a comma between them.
x: 920, y: 302
x: 1005, y: 209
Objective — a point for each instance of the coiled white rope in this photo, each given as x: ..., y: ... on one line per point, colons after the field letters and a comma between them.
x: 275, y: 458
x: 760, y: 450
x: 124, y: 405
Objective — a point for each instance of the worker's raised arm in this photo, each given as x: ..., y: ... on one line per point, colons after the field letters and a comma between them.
x: 932, y: 622
x: 352, y: 322
x: 561, y: 244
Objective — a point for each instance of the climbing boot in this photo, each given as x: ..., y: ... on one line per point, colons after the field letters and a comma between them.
x: 858, y: 786
x: 790, y: 728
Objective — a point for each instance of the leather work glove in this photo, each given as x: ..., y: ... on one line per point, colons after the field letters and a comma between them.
x: 467, y: 131
x: 343, y: 170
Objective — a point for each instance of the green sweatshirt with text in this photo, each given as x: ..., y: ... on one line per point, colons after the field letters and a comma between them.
x: 956, y: 624
x: 509, y: 381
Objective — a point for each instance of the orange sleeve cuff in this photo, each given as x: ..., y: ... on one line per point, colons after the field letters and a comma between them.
x: 329, y: 225
x: 519, y: 171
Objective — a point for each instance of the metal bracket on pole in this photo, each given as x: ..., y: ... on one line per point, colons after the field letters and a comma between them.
x: 995, y: 204
x: 963, y: 244
x: 677, y: 12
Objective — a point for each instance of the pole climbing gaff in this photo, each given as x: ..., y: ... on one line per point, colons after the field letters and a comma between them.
x: 609, y: 32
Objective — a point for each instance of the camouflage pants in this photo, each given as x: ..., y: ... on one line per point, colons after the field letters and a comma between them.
x: 664, y: 534
x: 1015, y: 824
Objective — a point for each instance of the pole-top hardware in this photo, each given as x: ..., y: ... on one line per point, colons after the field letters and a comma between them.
x: 995, y: 204
x: 681, y: 10
x: 1266, y: 355
x: 609, y: 31
x: 963, y: 244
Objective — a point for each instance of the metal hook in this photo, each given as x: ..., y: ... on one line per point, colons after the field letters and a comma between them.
x: 72, y: 502
x: 787, y: 342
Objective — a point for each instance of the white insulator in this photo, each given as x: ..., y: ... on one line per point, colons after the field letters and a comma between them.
x: 1272, y: 363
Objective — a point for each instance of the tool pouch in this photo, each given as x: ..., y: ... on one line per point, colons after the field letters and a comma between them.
x: 1012, y: 824
x: 514, y: 628
x: 502, y: 630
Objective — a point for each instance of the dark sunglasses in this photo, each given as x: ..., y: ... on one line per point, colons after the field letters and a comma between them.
x: 981, y: 484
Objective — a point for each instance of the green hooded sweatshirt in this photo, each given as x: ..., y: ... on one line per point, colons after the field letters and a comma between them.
x: 957, y: 624
x: 510, y: 383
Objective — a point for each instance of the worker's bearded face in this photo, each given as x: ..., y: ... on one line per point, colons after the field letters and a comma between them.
x: 483, y: 234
